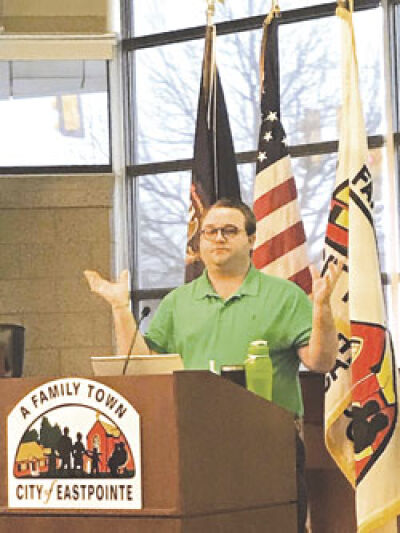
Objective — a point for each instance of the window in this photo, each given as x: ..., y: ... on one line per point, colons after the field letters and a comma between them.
x: 164, y: 54
x: 54, y: 113
x: 163, y: 202
x: 166, y: 115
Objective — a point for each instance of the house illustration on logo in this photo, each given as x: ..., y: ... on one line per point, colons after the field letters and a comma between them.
x: 32, y: 460
x: 108, y: 451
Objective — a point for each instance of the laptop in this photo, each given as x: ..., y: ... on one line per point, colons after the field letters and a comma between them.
x: 139, y: 365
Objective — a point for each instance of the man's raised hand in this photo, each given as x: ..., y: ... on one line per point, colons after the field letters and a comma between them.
x: 115, y: 293
x: 322, y: 286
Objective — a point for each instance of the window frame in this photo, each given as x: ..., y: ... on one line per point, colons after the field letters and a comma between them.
x: 131, y: 44
x: 70, y: 169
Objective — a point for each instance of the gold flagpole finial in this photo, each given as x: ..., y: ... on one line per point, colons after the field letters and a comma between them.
x: 346, y: 4
x: 210, y: 11
x: 275, y: 11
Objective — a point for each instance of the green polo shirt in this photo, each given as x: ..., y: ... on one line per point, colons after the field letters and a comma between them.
x: 195, y: 322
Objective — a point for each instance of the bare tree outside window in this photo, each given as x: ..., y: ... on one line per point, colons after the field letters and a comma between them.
x: 167, y: 86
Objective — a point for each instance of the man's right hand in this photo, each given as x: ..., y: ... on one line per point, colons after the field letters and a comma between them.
x: 115, y: 293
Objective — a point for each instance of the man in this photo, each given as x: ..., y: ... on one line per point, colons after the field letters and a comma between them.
x: 231, y: 304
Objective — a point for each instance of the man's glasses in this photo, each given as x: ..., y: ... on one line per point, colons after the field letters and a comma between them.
x: 227, y: 232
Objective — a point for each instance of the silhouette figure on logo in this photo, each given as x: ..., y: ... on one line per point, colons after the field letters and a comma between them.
x: 78, y: 451
x: 95, y: 457
x: 52, y: 463
x: 117, y: 459
x: 64, y: 448
x: 367, y: 422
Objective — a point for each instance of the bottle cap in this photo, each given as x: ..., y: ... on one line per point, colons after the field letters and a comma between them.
x: 232, y: 368
x: 212, y: 367
x: 258, y: 348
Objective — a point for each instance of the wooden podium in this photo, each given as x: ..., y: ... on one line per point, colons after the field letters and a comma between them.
x: 215, y: 457
x: 331, y: 499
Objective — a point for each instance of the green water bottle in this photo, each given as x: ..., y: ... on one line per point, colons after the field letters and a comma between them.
x: 258, y: 369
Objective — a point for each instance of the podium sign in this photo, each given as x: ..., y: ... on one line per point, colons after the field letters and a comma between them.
x: 215, y: 457
x: 74, y: 443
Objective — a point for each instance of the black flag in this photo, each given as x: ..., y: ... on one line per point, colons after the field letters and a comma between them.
x: 214, y: 169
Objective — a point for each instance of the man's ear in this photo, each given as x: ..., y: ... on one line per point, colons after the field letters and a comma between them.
x: 252, y: 239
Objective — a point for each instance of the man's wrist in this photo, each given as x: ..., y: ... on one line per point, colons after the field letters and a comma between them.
x: 121, y: 305
x: 321, y: 312
x: 324, y: 305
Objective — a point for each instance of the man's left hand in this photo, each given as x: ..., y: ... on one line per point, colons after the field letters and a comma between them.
x: 322, y: 286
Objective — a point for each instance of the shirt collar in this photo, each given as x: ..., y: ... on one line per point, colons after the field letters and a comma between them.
x: 250, y: 285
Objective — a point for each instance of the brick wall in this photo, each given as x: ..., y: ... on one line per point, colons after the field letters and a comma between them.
x: 51, y: 229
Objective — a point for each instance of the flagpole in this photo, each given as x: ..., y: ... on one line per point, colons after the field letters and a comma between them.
x: 393, y: 196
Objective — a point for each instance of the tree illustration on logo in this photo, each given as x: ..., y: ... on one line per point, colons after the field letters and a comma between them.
x: 30, y: 435
x: 49, y: 435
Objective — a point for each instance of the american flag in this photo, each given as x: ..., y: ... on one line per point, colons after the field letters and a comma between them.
x: 280, y: 247
x: 215, y: 172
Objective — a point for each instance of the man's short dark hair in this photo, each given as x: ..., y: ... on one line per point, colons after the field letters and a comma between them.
x: 249, y: 217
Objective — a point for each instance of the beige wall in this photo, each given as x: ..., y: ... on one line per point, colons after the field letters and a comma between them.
x: 54, y: 7
x: 48, y: 16
x: 51, y: 229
